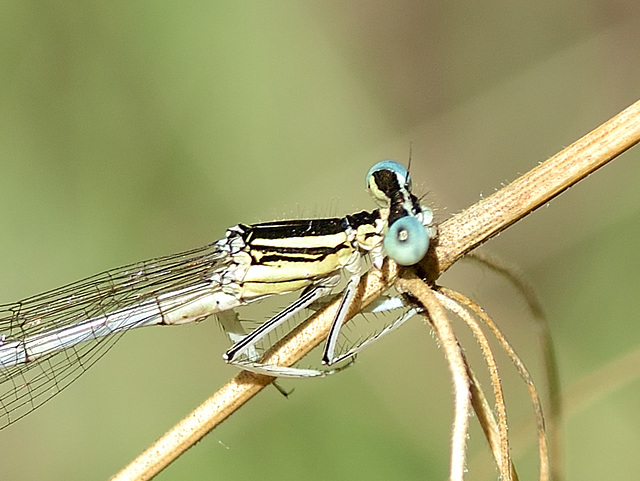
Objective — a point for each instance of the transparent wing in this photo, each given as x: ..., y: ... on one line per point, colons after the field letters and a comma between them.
x: 48, y: 340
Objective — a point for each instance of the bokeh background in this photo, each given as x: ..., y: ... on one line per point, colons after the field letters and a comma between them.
x: 130, y: 130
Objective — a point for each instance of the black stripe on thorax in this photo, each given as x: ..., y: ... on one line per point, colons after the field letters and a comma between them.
x: 282, y: 229
x: 289, y: 254
x: 284, y: 241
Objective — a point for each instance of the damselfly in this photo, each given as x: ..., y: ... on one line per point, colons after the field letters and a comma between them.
x: 48, y: 340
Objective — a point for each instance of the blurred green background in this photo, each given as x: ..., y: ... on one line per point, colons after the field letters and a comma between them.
x: 135, y: 129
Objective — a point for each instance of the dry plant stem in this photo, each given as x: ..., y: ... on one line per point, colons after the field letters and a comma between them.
x: 467, y: 230
x: 502, y: 455
x: 596, y: 385
x: 247, y: 384
x: 554, y: 413
x: 522, y: 370
x: 457, y: 236
x: 192, y: 428
x: 437, y: 316
x: 488, y: 422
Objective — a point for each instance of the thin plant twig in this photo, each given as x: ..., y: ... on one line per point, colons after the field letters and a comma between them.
x: 487, y: 421
x: 411, y: 283
x: 486, y: 218
x: 502, y: 456
x: 457, y: 236
x: 522, y: 370
x: 554, y: 412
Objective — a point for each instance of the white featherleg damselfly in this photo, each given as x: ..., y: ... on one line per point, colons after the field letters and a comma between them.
x: 48, y: 340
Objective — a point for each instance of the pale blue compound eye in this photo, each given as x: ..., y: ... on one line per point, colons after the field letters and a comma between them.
x: 407, y: 241
x: 400, y: 170
x: 379, y: 185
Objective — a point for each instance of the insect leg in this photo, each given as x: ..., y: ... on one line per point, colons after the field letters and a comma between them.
x: 308, y: 297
